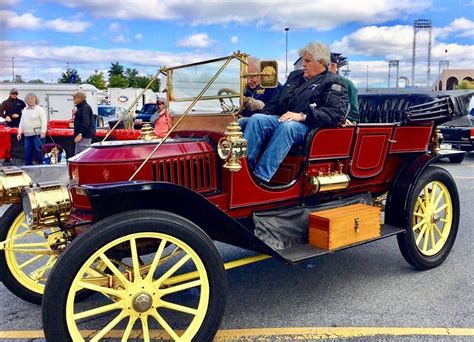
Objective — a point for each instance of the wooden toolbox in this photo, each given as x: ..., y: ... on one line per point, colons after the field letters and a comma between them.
x: 342, y: 226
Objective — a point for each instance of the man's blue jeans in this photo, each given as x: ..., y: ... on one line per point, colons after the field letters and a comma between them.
x: 243, y: 121
x: 278, y: 137
x: 33, y: 145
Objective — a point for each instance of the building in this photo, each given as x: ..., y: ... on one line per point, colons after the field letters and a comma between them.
x: 450, y: 78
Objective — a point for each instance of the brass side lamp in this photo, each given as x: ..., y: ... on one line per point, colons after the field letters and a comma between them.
x: 232, y: 147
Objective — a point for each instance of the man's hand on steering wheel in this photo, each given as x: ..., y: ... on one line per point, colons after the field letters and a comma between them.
x: 253, y: 104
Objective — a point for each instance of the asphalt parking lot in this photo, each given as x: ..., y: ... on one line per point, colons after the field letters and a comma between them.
x: 363, y: 293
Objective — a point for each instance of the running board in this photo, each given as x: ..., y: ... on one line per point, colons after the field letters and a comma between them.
x: 307, y: 251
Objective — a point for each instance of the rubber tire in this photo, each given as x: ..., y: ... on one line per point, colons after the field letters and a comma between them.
x: 406, y: 241
x: 114, y: 227
x: 457, y: 159
x: 6, y: 275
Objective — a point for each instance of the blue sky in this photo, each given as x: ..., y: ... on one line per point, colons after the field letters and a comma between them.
x: 44, y: 35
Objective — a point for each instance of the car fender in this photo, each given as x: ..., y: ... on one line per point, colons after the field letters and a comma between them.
x: 110, y: 199
x: 401, y: 190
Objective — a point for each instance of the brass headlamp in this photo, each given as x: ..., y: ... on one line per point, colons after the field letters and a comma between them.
x: 232, y: 147
x: 12, y: 180
x: 47, y: 204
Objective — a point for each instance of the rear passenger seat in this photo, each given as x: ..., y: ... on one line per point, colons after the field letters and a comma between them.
x: 388, y: 108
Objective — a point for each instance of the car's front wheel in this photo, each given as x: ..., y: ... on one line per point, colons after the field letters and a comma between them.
x: 164, y: 274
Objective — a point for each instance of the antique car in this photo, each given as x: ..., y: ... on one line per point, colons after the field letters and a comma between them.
x: 130, y: 238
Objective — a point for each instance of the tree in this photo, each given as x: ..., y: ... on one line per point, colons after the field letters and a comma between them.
x: 70, y: 76
x: 37, y: 80
x: 465, y: 84
x: 131, y: 75
x: 142, y: 82
x: 19, y: 79
x: 97, y: 80
x: 117, y: 81
x: 116, y: 69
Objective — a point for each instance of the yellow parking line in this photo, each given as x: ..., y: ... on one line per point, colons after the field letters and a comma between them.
x: 266, y: 333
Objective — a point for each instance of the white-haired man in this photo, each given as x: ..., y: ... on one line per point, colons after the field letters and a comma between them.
x: 310, y: 98
x: 84, y: 123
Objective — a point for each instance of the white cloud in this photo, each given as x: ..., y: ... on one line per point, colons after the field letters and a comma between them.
x: 8, y: 3
x: 120, y: 39
x: 114, y: 27
x: 200, y: 40
x: 460, y: 27
x: 41, y: 60
x: 234, y: 39
x: 395, y: 42
x: 62, y: 25
x: 138, y: 37
x: 276, y: 14
x: 28, y: 21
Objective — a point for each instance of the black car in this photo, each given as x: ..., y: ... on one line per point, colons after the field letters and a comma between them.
x: 459, y: 134
x: 144, y: 114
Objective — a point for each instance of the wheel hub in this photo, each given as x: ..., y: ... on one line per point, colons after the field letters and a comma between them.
x: 142, y: 302
x: 435, y: 218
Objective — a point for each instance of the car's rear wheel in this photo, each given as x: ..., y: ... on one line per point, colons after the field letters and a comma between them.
x: 170, y: 278
x: 433, y: 220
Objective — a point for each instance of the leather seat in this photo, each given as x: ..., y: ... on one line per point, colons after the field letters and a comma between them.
x: 388, y: 108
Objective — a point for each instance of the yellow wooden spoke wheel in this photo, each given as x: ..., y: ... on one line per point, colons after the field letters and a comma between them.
x: 27, y: 256
x: 433, y: 219
x: 169, y: 282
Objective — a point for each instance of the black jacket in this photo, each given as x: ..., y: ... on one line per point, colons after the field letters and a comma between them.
x: 84, y: 122
x: 323, y: 99
x: 12, y: 106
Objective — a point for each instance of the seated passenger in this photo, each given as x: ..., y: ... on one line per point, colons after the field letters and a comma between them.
x: 255, y: 97
x: 312, y: 97
x: 337, y: 61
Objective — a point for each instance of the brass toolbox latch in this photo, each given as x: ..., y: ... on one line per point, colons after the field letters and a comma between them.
x: 356, y: 224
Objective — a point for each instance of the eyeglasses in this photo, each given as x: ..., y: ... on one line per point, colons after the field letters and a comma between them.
x: 161, y: 103
x: 13, y: 93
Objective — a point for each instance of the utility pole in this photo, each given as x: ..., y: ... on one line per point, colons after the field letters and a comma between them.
x: 13, y: 69
x: 286, y: 34
x: 67, y: 67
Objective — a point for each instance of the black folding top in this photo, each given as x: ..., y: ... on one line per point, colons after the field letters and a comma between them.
x: 406, y: 107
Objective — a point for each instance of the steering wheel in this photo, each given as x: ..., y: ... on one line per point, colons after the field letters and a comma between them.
x: 231, y: 107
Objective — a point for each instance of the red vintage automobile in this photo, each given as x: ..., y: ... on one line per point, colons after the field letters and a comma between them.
x: 136, y: 225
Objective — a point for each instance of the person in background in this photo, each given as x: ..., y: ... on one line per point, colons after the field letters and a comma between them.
x: 161, y: 120
x: 312, y: 97
x: 337, y: 61
x: 33, y: 124
x: 10, y: 110
x: 255, y: 97
x: 84, y: 123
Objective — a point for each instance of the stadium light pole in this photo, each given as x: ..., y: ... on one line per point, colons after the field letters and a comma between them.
x: 367, y: 84
x: 13, y: 69
x: 286, y: 34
